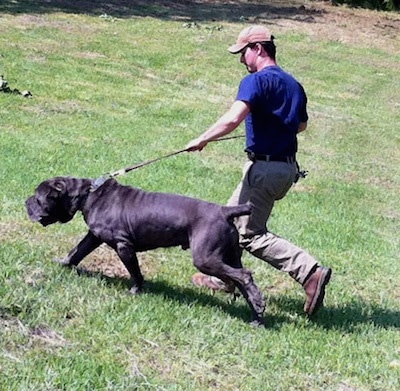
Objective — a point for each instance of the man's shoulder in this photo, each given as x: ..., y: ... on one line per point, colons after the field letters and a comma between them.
x: 283, y: 75
x: 276, y: 71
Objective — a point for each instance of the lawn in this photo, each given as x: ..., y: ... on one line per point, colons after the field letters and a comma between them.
x: 121, y: 82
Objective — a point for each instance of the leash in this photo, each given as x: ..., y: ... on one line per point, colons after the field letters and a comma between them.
x: 99, y: 181
x: 123, y: 171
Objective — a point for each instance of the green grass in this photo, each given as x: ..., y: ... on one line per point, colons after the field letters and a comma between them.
x: 111, y: 92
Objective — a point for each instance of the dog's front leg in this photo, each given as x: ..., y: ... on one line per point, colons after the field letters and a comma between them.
x: 127, y: 253
x: 81, y: 250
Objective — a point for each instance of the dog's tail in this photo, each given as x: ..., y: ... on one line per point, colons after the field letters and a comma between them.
x: 231, y: 212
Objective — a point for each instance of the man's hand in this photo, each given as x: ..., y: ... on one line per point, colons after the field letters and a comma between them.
x: 226, y: 124
x: 196, y: 144
x: 302, y: 127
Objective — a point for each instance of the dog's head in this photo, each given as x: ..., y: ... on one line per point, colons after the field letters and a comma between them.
x: 55, y: 200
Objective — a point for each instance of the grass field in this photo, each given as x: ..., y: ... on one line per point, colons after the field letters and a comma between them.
x: 120, y: 82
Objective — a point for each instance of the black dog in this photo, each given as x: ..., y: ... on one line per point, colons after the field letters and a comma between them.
x: 131, y: 220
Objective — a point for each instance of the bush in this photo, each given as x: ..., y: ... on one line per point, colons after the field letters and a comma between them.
x: 383, y: 5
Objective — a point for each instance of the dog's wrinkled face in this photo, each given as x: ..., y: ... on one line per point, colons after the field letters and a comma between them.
x: 49, y: 204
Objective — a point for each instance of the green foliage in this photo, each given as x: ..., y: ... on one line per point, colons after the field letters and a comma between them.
x: 383, y: 5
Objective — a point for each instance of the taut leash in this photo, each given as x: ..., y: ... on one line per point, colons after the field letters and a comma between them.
x: 123, y: 171
x: 99, y: 181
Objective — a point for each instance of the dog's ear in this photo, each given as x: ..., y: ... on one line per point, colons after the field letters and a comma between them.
x: 60, y: 186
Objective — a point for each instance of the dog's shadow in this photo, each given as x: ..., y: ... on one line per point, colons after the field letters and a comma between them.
x: 237, y: 308
x: 346, y: 318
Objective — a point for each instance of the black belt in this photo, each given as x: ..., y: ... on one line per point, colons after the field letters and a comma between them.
x: 270, y: 158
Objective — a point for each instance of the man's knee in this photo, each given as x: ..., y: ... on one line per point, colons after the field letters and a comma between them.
x: 250, y: 241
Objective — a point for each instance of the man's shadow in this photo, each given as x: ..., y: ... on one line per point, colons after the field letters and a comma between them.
x: 346, y: 317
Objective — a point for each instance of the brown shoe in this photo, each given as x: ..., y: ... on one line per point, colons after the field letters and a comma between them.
x: 214, y: 283
x: 315, y: 289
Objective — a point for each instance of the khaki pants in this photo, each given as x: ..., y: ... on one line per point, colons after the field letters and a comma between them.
x: 262, y: 184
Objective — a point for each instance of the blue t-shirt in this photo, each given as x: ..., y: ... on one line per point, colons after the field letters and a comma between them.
x: 278, y: 104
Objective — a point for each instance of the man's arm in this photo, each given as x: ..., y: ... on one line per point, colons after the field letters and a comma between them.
x: 224, y: 125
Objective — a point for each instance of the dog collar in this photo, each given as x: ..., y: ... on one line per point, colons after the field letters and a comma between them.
x: 97, y: 183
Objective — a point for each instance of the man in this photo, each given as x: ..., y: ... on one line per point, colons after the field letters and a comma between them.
x: 274, y: 107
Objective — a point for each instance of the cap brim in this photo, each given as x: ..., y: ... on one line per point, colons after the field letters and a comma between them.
x: 235, y: 49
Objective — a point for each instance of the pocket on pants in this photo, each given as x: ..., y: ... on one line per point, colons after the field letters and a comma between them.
x: 274, y: 178
x: 280, y: 179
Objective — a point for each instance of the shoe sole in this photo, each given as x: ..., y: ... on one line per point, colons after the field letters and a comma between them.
x: 320, y: 292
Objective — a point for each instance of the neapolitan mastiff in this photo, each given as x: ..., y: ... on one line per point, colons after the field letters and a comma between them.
x: 131, y: 220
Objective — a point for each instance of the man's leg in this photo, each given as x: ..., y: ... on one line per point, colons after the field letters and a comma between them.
x: 261, y: 185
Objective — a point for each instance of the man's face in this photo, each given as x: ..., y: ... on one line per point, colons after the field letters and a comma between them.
x: 248, y: 57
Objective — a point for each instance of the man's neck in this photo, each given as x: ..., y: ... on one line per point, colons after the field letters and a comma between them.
x: 266, y: 62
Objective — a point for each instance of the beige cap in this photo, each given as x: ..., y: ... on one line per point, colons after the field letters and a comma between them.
x: 249, y: 35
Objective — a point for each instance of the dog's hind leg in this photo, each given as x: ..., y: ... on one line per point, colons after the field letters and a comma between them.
x: 252, y: 294
x: 243, y: 279
x: 88, y: 244
x: 128, y: 256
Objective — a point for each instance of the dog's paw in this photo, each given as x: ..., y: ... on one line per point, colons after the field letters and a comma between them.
x: 62, y: 261
x: 135, y: 290
x: 257, y: 323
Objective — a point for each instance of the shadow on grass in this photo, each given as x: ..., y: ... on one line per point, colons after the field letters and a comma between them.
x: 189, y: 296
x: 185, y: 10
x: 347, y: 317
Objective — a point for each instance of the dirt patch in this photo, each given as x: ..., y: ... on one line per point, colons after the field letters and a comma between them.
x: 9, y: 323
x: 46, y: 337
x: 106, y: 262
x: 346, y: 25
x: 40, y: 335
x: 90, y: 55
